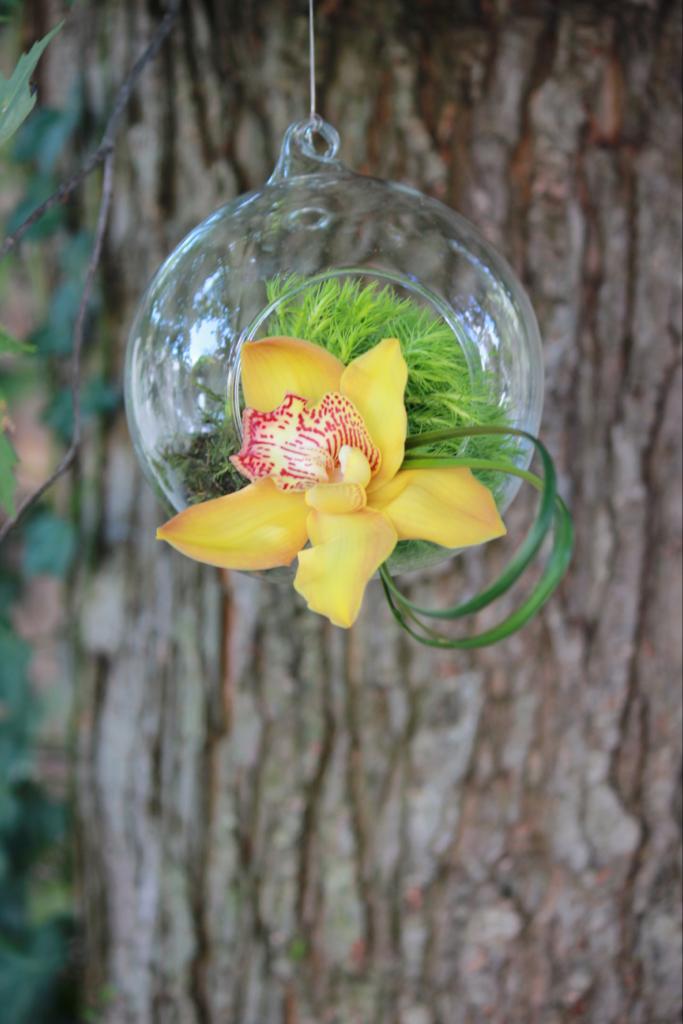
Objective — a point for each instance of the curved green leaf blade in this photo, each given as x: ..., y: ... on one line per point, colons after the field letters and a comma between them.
x: 16, y: 101
x: 552, y: 512
x: 552, y: 576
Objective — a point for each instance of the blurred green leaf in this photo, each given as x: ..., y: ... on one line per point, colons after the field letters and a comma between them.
x: 15, y: 695
x: 58, y: 415
x: 9, y: 592
x: 49, y: 545
x: 12, y: 345
x: 50, y: 898
x: 8, y: 460
x: 16, y: 101
x: 55, y: 335
x: 40, y: 187
x: 15, y: 655
x: 99, y: 398
x: 29, y: 969
x: 75, y: 254
x: 42, y: 138
x: 7, y: 8
x: 40, y: 825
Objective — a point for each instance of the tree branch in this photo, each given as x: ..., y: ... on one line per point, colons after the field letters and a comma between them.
x: 103, y: 154
x: 106, y: 145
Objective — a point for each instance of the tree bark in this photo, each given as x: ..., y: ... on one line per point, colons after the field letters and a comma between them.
x: 284, y: 823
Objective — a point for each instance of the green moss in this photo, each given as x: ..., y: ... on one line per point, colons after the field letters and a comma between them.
x: 205, y: 466
x: 348, y: 317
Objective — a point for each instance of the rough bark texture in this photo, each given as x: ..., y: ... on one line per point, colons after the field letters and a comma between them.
x: 282, y: 823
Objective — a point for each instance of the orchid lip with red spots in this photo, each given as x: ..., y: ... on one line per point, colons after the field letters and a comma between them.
x: 298, y: 444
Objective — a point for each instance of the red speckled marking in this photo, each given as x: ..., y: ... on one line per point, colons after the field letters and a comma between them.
x: 298, y: 445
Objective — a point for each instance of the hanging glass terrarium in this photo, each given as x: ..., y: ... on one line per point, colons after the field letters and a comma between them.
x: 343, y: 262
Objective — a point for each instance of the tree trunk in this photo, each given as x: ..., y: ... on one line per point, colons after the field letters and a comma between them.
x: 284, y: 823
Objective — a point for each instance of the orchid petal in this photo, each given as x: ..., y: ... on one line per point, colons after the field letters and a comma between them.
x: 277, y: 445
x: 446, y: 506
x: 375, y: 383
x: 347, y: 551
x: 258, y: 527
x: 336, y: 499
x: 274, y: 367
x: 354, y: 466
x: 298, y: 444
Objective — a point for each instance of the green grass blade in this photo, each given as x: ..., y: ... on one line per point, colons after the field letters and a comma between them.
x: 533, y: 540
x: 552, y: 512
x: 552, y: 576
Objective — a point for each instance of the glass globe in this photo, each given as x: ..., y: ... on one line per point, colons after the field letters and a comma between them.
x: 229, y: 280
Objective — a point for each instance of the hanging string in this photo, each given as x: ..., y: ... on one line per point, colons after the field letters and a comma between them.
x: 311, y: 54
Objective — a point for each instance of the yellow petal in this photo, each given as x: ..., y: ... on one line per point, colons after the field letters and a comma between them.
x: 274, y: 367
x: 446, y: 506
x: 375, y: 383
x: 258, y: 527
x: 336, y: 499
x: 347, y: 551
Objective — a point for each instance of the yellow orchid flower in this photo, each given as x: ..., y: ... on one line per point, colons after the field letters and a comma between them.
x: 323, y: 447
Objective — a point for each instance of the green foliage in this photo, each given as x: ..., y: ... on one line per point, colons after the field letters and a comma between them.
x: 49, y: 545
x: 31, y: 976
x: 37, y: 147
x: 347, y: 318
x: 11, y: 345
x: 98, y: 398
x: 8, y: 462
x: 15, y: 655
x: 16, y: 101
x: 7, y: 9
x: 552, y: 515
x: 33, y: 945
x: 205, y: 466
x: 54, y: 337
x: 39, y: 187
x: 39, y: 142
x: 36, y: 922
x: 42, y: 139
x: 8, y: 457
x: 443, y: 391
